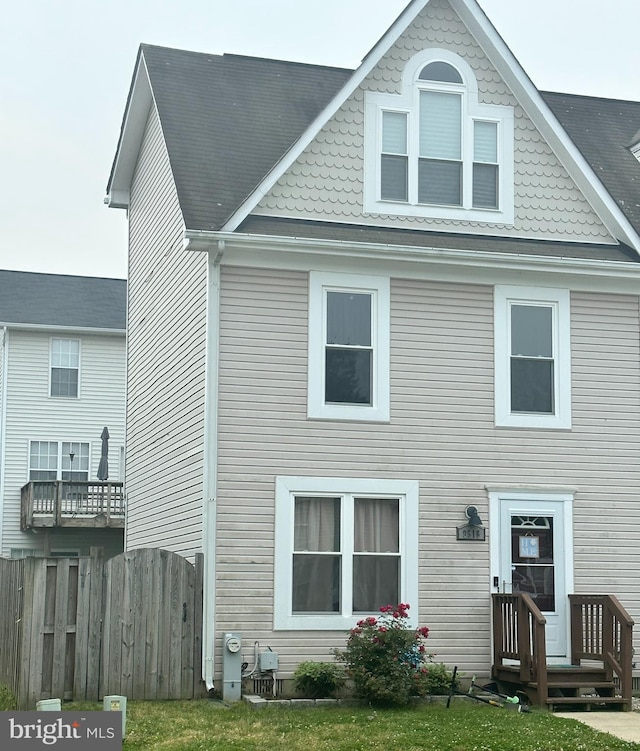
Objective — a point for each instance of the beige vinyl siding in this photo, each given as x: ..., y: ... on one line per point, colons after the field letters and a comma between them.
x: 441, y: 433
x: 607, y: 403
x: 33, y: 415
x: 166, y: 359
x: 327, y: 181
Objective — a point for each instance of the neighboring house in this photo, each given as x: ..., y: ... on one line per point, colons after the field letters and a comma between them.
x: 62, y: 381
x: 361, y: 303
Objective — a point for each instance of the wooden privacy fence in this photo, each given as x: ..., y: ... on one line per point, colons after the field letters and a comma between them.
x: 83, y: 628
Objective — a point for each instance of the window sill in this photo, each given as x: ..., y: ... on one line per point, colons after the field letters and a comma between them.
x: 536, y: 422
x: 445, y: 212
x: 335, y: 622
x: 349, y: 413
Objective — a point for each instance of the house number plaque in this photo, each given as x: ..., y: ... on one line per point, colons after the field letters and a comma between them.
x: 470, y: 533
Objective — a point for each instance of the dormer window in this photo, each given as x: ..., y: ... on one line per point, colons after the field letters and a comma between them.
x: 635, y: 146
x: 434, y: 151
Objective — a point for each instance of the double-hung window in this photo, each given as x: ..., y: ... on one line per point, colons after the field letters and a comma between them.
x: 440, y: 178
x: 348, y: 347
x: 65, y: 367
x: 434, y: 150
x: 532, y: 357
x: 344, y: 548
x: 394, y: 160
x: 58, y: 460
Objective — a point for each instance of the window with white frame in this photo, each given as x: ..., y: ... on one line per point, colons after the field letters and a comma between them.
x: 65, y: 367
x: 434, y: 151
x: 532, y: 357
x: 344, y: 548
x: 58, y: 460
x: 348, y: 347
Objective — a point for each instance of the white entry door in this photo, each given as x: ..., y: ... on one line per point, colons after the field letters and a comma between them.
x: 535, y: 556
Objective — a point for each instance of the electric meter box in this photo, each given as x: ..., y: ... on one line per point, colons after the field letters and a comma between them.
x: 268, y: 661
x: 231, y: 667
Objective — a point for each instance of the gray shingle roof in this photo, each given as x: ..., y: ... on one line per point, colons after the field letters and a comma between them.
x: 56, y: 300
x: 603, y: 130
x: 263, y: 225
x: 228, y: 120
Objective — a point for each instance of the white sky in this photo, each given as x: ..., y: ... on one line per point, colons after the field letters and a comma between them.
x: 65, y: 69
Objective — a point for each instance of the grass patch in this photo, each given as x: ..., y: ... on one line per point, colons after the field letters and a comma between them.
x: 7, y: 699
x: 210, y: 726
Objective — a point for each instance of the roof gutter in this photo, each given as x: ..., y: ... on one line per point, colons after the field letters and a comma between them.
x: 203, y: 240
x: 66, y: 329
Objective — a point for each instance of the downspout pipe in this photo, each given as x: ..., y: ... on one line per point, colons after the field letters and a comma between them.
x: 4, y: 378
x: 210, y: 473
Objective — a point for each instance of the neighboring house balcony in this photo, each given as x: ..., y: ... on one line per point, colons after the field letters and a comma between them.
x: 61, y: 503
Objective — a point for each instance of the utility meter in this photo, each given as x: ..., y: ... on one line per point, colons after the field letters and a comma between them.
x: 231, y: 667
x: 233, y: 644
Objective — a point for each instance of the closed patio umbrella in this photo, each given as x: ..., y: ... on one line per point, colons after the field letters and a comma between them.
x: 103, y: 467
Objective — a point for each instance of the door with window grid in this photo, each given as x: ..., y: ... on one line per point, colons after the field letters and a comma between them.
x: 533, y: 560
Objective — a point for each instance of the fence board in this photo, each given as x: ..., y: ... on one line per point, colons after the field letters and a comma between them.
x: 81, y: 668
x: 58, y: 658
x: 72, y: 629
x: 11, y: 595
x: 40, y: 674
x: 139, y: 624
x: 113, y: 626
x: 167, y: 651
x: 186, y: 646
x: 155, y: 573
x: 88, y: 637
x: 127, y: 572
x: 198, y: 614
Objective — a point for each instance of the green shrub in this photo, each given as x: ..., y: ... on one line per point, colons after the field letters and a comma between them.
x: 7, y: 699
x: 387, y: 661
x: 434, y: 679
x: 318, y: 680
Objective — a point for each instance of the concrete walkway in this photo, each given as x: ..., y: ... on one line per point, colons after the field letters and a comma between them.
x: 624, y: 725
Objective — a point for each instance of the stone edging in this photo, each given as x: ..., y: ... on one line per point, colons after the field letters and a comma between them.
x: 258, y: 702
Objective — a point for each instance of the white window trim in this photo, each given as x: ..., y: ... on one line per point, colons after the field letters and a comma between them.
x: 560, y: 301
x: 286, y: 489
x: 379, y: 287
x: 408, y: 102
x: 70, y: 339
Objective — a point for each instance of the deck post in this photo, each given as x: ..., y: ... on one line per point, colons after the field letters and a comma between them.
x: 57, y: 503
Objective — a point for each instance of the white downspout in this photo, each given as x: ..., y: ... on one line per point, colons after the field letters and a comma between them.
x: 3, y: 425
x: 211, y: 463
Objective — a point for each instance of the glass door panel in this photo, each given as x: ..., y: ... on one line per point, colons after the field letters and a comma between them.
x: 532, y: 559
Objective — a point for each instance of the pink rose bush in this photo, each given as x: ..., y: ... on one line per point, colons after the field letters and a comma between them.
x: 387, y: 661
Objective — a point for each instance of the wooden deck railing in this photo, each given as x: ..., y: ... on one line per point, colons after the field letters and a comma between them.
x: 519, y: 635
x: 601, y: 632
x: 60, y: 503
x: 601, y: 629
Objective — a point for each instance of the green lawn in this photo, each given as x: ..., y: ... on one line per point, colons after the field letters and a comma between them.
x: 210, y: 726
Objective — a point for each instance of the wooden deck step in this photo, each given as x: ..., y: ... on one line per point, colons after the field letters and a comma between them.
x: 581, y: 684
x: 585, y: 701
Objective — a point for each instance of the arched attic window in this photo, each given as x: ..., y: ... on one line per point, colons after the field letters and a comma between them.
x: 440, y: 152
x: 440, y: 71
